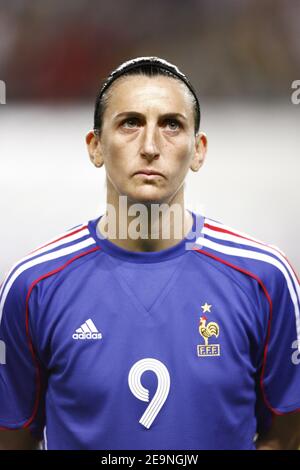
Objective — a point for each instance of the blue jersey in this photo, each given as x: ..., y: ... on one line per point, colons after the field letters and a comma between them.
x: 192, y: 347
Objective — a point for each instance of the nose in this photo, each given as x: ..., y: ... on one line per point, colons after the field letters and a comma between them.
x: 149, y: 148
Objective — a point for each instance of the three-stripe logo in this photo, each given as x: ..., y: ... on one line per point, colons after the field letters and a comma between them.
x: 87, y: 330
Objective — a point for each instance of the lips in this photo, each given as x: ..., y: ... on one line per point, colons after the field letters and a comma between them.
x: 148, y: 172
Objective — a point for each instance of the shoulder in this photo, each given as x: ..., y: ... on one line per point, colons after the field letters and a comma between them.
x: 44, y: 260
x: 246, y: 254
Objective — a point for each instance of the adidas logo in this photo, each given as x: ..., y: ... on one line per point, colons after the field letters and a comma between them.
x: 87, y: 330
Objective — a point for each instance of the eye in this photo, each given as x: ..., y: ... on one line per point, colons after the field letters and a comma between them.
x: 173, y: 124
x: 130, y: 122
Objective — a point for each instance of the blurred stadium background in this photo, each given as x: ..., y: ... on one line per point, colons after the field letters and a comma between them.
x: 241, y: 55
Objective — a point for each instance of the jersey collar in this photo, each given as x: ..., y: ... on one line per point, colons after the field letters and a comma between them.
x: 184, y: 246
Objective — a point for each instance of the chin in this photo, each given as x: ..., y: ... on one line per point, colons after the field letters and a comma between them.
x: 147, y: 197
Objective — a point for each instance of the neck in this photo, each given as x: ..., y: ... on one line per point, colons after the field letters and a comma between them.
x: 147, y: 226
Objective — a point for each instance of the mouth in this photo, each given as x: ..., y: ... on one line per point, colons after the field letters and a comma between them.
x: 149, y: 174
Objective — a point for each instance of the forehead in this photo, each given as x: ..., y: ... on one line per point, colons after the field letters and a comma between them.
x: 139, y: 92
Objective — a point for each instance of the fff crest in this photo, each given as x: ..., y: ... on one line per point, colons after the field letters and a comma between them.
x: 207, y: 331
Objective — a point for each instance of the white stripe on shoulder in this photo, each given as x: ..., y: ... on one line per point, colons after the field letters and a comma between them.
x: 42, y: 259
x: 50, y: 246
x: 60, y: 241
x: 228, y: 250
x: 250, y: 243
x: 242, y: 234
x: 64, y: 234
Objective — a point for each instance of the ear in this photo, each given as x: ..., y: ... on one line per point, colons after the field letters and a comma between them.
x: 199, y: 151
x: 94, y: 148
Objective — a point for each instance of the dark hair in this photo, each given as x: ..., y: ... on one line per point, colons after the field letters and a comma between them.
x: 148, y: 66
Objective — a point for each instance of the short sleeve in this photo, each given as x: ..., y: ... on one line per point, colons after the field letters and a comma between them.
x: 280, y: 378
x: 21, y: 375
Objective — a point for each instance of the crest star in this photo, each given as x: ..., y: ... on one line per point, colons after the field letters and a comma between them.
x: 206, y: 308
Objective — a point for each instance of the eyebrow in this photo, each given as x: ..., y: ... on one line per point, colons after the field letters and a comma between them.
x: 140, y: 115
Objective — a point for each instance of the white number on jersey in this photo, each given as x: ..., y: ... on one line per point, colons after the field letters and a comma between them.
x: 296, y: 354
x: 140, y: 392
x: 2, y: 353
